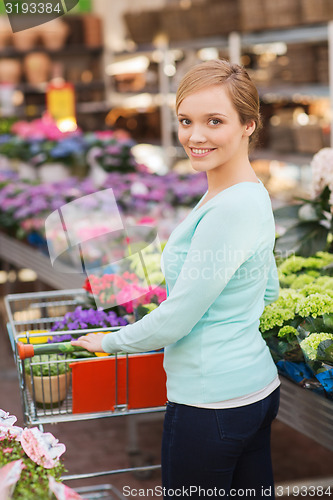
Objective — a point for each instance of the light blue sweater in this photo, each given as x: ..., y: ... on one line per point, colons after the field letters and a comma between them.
x: 220, y: 272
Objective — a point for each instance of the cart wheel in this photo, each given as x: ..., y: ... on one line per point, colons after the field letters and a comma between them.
x: 141, y: 459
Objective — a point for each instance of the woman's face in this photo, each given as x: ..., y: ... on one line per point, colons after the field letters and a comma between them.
x: 210, y: 129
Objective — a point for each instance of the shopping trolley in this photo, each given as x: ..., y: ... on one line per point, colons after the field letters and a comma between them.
x: 61, y: 387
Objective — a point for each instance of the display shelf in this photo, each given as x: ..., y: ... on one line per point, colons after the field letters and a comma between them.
x: 306, y: 412
x: 80, y: 61
x: 297, y: 34
x: 23, y: 256
x: 93, y: 107
x: 42, y: 88
x: 268, y: 93
x: 310, y: 91
x: 71, y: 50
x: 81, y: 107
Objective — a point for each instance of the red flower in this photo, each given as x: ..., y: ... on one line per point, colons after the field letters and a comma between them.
x: 87, y: 285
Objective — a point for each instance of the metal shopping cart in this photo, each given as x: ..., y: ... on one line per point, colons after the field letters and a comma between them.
x: 63, y: 387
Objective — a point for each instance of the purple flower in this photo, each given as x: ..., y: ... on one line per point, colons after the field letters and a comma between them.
x: 88, y: 318
x: 60, y: 338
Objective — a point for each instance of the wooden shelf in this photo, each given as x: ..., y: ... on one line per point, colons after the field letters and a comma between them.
x: 71, y: 50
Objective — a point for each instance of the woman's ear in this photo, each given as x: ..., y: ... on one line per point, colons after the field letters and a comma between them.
x: 250, y: 128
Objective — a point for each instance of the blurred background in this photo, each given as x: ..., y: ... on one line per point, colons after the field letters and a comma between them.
x: 87, y: 101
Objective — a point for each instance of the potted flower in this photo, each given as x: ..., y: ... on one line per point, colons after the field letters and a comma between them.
x: 47, y: 379
x: 307, y: 227
x: 304, y: 307
x: 30, y: 465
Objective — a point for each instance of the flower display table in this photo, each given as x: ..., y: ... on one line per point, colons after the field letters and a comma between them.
x: 15, y: 252
x: 306, y: 412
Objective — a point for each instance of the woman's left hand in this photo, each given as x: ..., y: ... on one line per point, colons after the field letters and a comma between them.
x: 92, y: 342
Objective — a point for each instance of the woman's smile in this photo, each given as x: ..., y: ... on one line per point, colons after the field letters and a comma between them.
x: 201, y: 152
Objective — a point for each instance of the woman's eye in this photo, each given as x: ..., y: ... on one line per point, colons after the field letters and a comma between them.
x: 215, y: 121
x: 185, y: 121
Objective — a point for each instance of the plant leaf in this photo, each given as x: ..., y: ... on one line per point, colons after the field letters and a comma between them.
x: 287, y: 216
x: 305, y: 239
x: 325, y: 350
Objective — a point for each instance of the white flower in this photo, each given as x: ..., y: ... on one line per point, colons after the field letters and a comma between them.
x: 139, y: 188
x: 322, y: 172
x: 7, y: 420
x: 43, y: 448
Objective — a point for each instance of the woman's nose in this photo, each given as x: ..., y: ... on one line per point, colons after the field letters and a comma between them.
x: 197, y: 135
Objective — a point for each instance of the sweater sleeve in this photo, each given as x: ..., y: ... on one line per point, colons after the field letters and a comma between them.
x: 273, y: 285
x: 225, y: 237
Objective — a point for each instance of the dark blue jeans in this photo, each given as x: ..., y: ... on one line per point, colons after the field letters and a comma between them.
x: 216, y: 453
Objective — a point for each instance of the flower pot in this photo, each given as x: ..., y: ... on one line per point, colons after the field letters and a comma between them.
x: 5, y: 32
x: 49, y: 390
x: 37, y: 67
x: 26, y: 39
x: 54, y: 34
x: 53, y: 172
x: 93, y: 30
x: 10, y: 71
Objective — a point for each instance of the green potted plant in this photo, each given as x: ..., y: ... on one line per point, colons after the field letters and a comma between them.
x: 47, y: 379
x: 302, y: 316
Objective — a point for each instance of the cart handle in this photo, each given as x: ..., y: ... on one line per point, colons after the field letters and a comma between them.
x: 29, y: 350
x: 25, y: 350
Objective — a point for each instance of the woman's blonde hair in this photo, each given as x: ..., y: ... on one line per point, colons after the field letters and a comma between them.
x: 242, y: 90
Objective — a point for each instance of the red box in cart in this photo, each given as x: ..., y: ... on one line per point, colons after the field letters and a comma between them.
x: 136, y: 380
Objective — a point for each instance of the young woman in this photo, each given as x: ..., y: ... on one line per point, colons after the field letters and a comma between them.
x: 222, y: 384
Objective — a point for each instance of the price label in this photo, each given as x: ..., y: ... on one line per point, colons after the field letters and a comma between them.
x: 60, y: 100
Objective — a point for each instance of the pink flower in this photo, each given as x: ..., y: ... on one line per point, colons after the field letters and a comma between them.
x: 32, y: 223
x: 149, y: 221
x: 121, y: 134
x: 7, y: 450
x: 10, y: 432
x: 43, y: 448
x: 104, y: 134
x: 40, y: 129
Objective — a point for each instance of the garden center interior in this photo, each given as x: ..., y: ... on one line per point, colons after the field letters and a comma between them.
x: 87, y: 106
